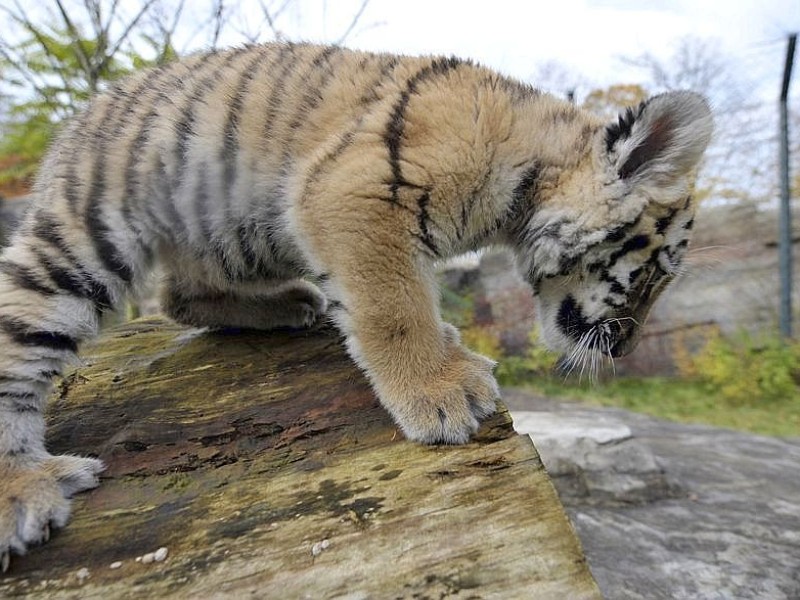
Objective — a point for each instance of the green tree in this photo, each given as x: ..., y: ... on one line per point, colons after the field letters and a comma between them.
x: 51, y: 70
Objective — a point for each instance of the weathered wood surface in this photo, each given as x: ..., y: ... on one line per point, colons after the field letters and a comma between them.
x: 241, y: 453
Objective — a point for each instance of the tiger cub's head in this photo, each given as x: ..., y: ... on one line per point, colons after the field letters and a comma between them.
x: 609, y: 234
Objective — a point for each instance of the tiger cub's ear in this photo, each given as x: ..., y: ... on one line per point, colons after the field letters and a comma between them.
x: 661, y: 141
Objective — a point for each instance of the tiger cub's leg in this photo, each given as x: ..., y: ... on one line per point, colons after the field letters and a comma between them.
x: 258, y: 305
x: 54, y: 286
x: 386, y: 302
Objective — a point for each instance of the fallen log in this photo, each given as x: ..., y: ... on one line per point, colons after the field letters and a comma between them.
x: 261, y: 464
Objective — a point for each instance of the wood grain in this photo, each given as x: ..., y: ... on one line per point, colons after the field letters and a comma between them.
x: 267, y: 468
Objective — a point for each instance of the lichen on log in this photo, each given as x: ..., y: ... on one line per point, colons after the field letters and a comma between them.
x: 266, y: 467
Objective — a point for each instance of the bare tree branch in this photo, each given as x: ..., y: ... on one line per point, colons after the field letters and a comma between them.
x: 277, y: 34
x: 55, y: 63
x: 124, y: 36
x: 353, y: 23
x: 24, y: 73
x: 73, y: 32
x: 218, y: 21
x: 168, y: 33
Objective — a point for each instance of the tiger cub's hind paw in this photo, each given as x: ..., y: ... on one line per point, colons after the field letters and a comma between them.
x: 34, y: 498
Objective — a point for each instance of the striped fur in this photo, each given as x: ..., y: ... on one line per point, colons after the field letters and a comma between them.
x: 248, y: 171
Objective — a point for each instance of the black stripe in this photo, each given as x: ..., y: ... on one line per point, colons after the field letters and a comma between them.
x: 185, y: 132
x: 12, y: 378
x: 66, y: 280
x: 22, y: 333
x: 228, y: 157
x: 71, y: 186
x: 48, y: 373
x: 230, y: 141
x: 344, y: 143
x: 570, y: 318
x: 97, y: 138
x: 422, y: 219
x: 396, y: 123
x: 201, y: 199
x: 619, y: 232
x: 21, y: 402
x: 367, y: 98
x: 133, y: 97
x: 278, y: 87
x: 70, y: 178
x: 637, y: 242
x: 663, y: 223
x: 528, y: 182
x: 92, y: 289
x: 167, y: 79
x: 315, y: 79
x: 185, y: 126
x: 521, y: 205
x: 518, y: 91
x: 371, y: 95
x: 185, y: 129
x: 616, y: 286
x: 109, y: 255
x: 245, y: 232
x: 97, y: 292
x: 622, y: 129
x: 20, y: 395
x: 166, y: 197
x: 164, y: 79
x: 24, y: 277
x: 78, y: 283
x: 232, y: 272
x: 314, y: 87
x: 47, y: 230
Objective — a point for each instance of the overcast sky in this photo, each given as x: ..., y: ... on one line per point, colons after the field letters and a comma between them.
x: 588, y: 36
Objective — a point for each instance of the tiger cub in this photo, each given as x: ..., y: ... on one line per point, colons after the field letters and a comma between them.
x: 249, y: 171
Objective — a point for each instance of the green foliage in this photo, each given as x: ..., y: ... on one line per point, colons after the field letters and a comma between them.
x: 459, y: 309
x: 538, y: 362
x: 163, y: 53
x: 63, y: 72
x: 747, y: 370
x: 456, y: 308
x: 684, y: 400
x: 483, y: 341
x: 744, y: 382
x: 25, y: 141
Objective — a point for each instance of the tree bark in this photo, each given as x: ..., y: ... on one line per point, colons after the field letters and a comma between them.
x: 265, y: 465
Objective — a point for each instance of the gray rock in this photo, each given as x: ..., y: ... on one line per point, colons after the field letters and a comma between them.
x: 594, y: 458
x: 732, y: 530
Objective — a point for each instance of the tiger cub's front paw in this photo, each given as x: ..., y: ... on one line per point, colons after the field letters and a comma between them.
x: 449, y: 407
